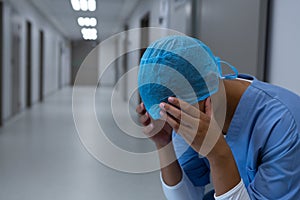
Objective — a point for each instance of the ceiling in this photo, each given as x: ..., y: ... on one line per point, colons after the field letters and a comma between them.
x: 111, y: 16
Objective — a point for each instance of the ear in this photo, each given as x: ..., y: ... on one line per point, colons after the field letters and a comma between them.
x: 208, y: 106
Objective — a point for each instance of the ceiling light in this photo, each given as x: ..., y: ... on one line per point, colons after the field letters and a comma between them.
x: 84, y: 5
x: 86, y: 21
x: 81, y: 21
x: 89, y: 33
x: 92, y: 5
x: 75, y: 5
x: 93, y: 21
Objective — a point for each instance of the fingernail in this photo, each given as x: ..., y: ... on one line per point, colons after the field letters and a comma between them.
x: 162, y: 105
x: 171, y: 99
x: 161, y: 113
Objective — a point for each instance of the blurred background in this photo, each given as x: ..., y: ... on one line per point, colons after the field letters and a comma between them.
x: 42, y: 46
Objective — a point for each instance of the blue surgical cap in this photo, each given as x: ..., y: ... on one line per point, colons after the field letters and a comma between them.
x: 178, y: 66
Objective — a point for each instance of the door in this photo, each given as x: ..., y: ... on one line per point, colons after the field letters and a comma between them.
x: 1, y: 60
x: 125, y: 64
x: 236, y: 32
x: 144, y: 33
x: 144, y: 23
x: 28, y: 65
x: 60, y: 65
x: 15, y: 66
x: 41, y: 81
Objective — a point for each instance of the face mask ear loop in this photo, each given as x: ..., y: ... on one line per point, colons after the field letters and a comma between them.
x: 218, y: 63
x: 230, y: 76
x: 227, y: 76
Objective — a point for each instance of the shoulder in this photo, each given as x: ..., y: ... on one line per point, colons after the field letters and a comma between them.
x: 273, y: 119
x: 278, y: 99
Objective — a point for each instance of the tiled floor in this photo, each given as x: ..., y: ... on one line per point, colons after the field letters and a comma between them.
x: 41, y: 158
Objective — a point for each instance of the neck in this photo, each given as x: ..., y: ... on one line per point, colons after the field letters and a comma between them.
x: 233, y: 89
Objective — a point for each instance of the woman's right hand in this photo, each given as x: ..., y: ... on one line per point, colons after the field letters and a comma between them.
x: 159, y: 131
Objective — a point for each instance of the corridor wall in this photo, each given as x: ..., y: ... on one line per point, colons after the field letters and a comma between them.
x: 235, y: 31
x: 56, y: 66
x: 284, y: 44
x: 107, y: 55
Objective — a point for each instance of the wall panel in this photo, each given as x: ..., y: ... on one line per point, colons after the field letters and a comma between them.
x: 284, y: 49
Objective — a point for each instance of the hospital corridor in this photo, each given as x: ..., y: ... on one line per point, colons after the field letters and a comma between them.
x: 93, y: 95
x: 42, y: 158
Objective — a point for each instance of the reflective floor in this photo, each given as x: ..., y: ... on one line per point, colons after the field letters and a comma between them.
x: 41, y: 157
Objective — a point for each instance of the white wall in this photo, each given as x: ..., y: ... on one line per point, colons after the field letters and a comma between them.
x: 90, y: 69
x: 235, y: 31
x: 93, y: 61
x: 180, y: 14
x: 66, y: 64
x: 26, y: 12
x: 284, y: 49
x: 84, y: 55
x: 121, y: 68
x: 6, y: 62
x: 35, y: 67
x: 107, y: 67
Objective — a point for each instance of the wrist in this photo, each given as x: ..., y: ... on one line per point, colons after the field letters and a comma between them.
x: 160, y: 145
x: 220, y: 152
x: 225, y: 174
x: 167, y: 155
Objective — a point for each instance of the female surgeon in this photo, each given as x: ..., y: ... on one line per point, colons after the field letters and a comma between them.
x: 239, y: 132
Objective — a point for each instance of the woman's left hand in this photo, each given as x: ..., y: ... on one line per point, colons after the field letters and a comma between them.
x: 199, y: 129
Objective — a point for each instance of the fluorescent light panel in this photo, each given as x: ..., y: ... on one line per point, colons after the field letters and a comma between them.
x: 84, y: 5
x: 92, y: 5
x: 86, y: 21
x: 75, y: 5
x: 89, y: 33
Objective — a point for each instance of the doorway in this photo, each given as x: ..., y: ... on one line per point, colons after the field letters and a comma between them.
x: 125, y: 64
x: 41, y: 89
x: 60, y: 66
x: 144, y: 33
x: 1, y: 60
x: 28, y: 65
x: 144, y: 23
x: 15, y: 65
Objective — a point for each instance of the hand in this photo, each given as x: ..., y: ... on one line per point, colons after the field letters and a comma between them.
x: 158, y: 131
x: 199, y: 129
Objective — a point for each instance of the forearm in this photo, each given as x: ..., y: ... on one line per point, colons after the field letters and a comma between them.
x: 176, y: 184
x: 171, y: 173
x: 224, y: 172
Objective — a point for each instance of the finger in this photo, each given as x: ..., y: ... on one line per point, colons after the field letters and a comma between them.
x: 145, y: 119
x: 140, y: 109
x: 153, y: 128
x: 148, y: 129
x: 184, y: 106
x: 177, y: 114
x: 208, y: 107
x: 177, y: 127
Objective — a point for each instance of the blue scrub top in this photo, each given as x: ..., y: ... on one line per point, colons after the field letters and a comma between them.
x: 264, y: 139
